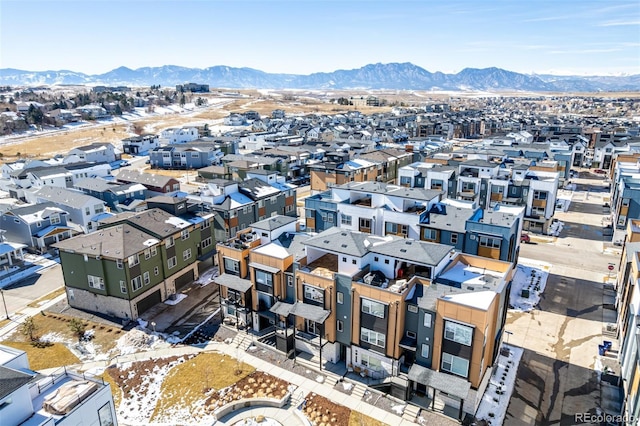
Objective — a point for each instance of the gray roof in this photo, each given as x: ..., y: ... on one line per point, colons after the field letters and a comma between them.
x: 414, y: 251
x: 145, y: 178
x: 453, y: 385
x: 454, y: 220
x: 116, y: 242
x: 281, y: 308
x: 294, y: 243
x: 425, y: 296
x: 498, y: 218
x: 342, y: 241
x: 11, y: 380
x: 392, y: 190
x: 233, y: 282
x: 310, y: 312
x: 274, y: 222
x: 66, y: 197
x: 158, y: 222
x: 34, y: 208
x: 478, y: 163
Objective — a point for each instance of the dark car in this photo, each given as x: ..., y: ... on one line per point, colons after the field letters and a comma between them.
x: 525, y: 238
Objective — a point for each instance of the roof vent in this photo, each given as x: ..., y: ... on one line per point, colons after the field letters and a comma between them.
x: 344, y: 246
x: 403, y: 250
x: 327, y: 241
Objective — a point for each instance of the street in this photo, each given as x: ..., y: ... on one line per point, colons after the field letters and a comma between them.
x: 556, y: 378
x: 20, y: 294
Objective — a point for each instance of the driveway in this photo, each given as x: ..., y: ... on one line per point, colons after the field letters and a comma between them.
x: 556, y: 378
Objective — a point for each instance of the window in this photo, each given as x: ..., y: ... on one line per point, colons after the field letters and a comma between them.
x: 123, y: 287
x: 145, y: 278
x: 373, y: 337
x: 344, y: 259
x: 136, y: 283
x: 625, y: 202
x: 315, y: 294
x: 274, y: 200
x: 345, y: 220
x: 489, y: 242
x: 231, y: 266
x: 55, y: 219
x: 96, y: 282
x: 147, y: 254
x: 134, y: 259
x: 373, y: 308
x: 119, y: 264
x: 170, y: 242
x: 87, y: 211
x: 154, y: 250
x: 186, y: 255
x: 371, y: 362
x: 339, y: 325
x: 539, y: 195
x: 289, y: 280
x: 424, y: 350
x: 386, y: 261
x: 454, y: 238
x: 455, y: 365
x: 427, y: 319
x: 353, y: 261
x: 330, y: 218
x: 412, y: 309
x: 206, y: 242
x: 311, y: 327
x: 436, y: 184
x: 429, y: 234
x: 365, y: 223
x: 340, y: 297
x: 172, y: 262
x: 411, y: 334
x: 265, y: 278
x: 156, y: 270
x: 205, y: 224
x: 184, y: 235
x: 458, y: 333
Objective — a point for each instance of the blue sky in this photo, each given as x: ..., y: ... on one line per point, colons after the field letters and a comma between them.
x: 93, y: 36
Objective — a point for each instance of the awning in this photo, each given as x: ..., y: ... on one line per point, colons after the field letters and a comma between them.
x: 408, y: 343
x: 264, y: 267
x: 310, y: 312
x: 452, y: 385
x: 233, y: 282
x: 281, y: 308
x: 10, y: 247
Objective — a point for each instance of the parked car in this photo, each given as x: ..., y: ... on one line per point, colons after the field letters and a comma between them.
x: 525, y: 238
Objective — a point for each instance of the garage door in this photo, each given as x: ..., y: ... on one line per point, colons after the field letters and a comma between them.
x: 184, y: 279
x: 148, y: 302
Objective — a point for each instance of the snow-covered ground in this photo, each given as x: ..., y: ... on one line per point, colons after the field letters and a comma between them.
x: 530, y: 275
x: 495, y: 400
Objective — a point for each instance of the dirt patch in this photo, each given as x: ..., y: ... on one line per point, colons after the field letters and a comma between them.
x: 256, y: 385
x: 322, y: 412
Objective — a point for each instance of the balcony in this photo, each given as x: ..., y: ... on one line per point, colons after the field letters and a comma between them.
x: 244, y: 241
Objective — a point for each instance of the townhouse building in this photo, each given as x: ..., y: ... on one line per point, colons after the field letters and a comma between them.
x: 190, y: 155
x: 155, y: 184
x: 628, y: 320
x: 84, y: 211
x: 133, y: 262
x: 236, y: 205
x: 374, y: 207
x: 140, y: 145
x: 116, y: 196
x: 98, y: 152
x: 63, y: 397
x: 418, y: 314
x: 36, y: 226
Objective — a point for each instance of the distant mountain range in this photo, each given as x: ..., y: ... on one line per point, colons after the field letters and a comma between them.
x: 399, y: 76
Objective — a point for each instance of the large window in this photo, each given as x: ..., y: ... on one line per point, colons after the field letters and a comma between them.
x: 172, y: 262
x: 365, y: 223
x: 345, y: 219
x: 458, y: 333
x: 312, y: 327
x: 436, y: 184
x: 489, y: 242
x: 396, y: 229
x: 373, y: 337
x: 373, y: 308
x: 539, y: 195
x: 265, y: 278
x: 372, y: 363
x: 136, y: 283
x: 314, y: 294
x: 96, y: 282
x: 231, y: 266
x: 429, y: 234
x: 455, y: 365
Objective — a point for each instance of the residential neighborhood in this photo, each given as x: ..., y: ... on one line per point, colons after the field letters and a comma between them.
x: 381, y: 250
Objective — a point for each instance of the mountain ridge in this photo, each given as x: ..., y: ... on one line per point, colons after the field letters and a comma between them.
x: 398, y: 76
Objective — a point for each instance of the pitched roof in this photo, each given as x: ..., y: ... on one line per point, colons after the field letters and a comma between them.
x: 116, y: 242
x: 414, y: 251
x: 11, y: 380
x: 346, y: 242
x: 36, y: 212
x: 66, y: 197
x: 145, y: 178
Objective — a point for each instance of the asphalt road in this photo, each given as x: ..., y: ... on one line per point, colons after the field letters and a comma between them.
x: 556, y: 377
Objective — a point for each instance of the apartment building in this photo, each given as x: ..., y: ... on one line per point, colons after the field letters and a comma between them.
x: 131, y: 263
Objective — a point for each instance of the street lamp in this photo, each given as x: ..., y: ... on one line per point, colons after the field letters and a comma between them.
x: 508, y: 333
x: 6, y: 312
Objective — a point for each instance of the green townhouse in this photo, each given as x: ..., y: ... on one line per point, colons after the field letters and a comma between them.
x: 133, y: 263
